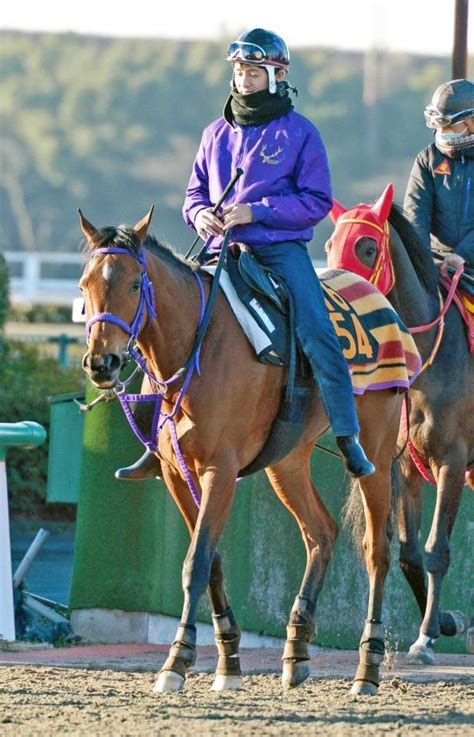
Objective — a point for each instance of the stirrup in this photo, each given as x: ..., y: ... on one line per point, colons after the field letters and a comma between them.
x: 147, y: 467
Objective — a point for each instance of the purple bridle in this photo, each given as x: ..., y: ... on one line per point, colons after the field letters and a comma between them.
x: 146, y: 302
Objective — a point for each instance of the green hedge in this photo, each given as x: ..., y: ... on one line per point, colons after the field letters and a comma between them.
x: 4, y: 300
x: 26, y: 381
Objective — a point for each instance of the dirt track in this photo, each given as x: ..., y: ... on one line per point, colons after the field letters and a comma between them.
x: 42, y: 700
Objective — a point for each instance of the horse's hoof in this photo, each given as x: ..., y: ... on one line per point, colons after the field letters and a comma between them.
x: 227, y: 683
x: 364, y: 688
x: 420, y: 655
x: 294, y: 673
x: 168, y: 681
x: 459, y: 621
x: 470, y: 640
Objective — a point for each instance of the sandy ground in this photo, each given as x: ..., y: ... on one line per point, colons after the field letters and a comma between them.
x: 62, y: 698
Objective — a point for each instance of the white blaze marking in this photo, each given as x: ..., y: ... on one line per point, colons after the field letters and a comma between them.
x: 107, y: 272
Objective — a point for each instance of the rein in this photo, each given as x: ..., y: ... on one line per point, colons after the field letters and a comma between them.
x: 147, y: 303
x: 439, y: 320
x: 379, y: 270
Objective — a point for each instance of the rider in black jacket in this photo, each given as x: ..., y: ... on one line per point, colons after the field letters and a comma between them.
x: 440, y: 194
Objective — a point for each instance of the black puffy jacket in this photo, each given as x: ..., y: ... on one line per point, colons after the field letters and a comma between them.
x: 440, y: 202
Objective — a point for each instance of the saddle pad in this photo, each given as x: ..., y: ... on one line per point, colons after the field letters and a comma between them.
x: 378, y: 348
x: 377, y: 345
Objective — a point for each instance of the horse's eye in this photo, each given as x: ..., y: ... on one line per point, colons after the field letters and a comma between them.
x: 135, y: 286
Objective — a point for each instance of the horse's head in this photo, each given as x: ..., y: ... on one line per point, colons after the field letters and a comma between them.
x: 360, y: 241
x: 118, y: 295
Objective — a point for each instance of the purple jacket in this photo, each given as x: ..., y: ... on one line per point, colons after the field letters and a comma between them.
x: 285, y: 180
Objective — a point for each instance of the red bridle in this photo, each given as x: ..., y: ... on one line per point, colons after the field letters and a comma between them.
x: 363, y: 221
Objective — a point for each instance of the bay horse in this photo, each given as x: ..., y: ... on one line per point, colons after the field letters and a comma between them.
x: 377, y: 241
x: 222, y: 423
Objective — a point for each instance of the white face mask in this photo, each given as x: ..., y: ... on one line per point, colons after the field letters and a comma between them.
x: 450, y: 138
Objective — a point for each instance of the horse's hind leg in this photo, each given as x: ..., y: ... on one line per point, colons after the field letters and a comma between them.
x: 449, y: 488
x: 183, y: 652
x: 292, y: 483
x: 227, y: 632
x: 379, y: 443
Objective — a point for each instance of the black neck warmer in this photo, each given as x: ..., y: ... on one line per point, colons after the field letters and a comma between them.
x: 258, y: 107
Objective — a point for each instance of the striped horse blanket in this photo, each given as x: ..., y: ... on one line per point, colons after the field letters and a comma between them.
x: 377, y: 345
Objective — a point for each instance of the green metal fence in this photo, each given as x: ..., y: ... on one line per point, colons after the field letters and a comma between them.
x: 131, y: 543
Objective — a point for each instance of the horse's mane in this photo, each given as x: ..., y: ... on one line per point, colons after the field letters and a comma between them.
x: 123, y: 236
x: 418, y: 253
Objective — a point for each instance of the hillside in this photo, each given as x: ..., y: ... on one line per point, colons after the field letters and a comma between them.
x: 112, y: 125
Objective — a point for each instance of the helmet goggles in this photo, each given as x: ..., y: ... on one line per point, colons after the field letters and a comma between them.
x: 249, y: 53
x: 436, y: 119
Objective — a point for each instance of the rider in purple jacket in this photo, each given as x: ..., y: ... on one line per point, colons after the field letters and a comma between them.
x: 285, y: 179
x: 283, y: 193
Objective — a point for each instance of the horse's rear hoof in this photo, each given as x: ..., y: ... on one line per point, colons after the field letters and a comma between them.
x: 420, y: 655
x: 227, y: 683
x: 294, y: 673
x: 459, y: 621
x: 364, y: 688
x: 168, y: 681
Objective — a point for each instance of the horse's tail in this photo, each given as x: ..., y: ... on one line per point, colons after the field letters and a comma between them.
x: 353, y: 511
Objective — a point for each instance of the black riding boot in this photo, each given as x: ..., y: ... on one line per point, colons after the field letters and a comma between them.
x: 147, y: 467
x: 353, y: 456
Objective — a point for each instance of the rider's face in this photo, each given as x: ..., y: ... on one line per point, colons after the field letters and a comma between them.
x: 249, y: 78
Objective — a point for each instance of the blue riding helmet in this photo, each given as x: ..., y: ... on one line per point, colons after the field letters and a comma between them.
x: 263, y: 48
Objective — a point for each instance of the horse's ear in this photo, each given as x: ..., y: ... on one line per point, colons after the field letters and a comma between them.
x: 381, y: 209
x: 141, y: 228
x: 87, y: 227
x: 337, y: 211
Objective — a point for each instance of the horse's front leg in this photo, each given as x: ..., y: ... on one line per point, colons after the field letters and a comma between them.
x: 217, y: 493
x: 449, y: 488
x: 409, y: 523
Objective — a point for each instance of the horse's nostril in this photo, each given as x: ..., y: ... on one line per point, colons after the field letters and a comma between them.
x: 101, y: 364
x: 112, y: 362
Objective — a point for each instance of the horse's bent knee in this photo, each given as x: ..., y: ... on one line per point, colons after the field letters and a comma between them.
x: 438, y: 559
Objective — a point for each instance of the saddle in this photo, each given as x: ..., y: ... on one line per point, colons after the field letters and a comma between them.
x: 266, y: 298
x: 268, y: 301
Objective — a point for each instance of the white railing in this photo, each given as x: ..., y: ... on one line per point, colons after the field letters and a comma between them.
x: 30, y: 286
x: 27, y: 283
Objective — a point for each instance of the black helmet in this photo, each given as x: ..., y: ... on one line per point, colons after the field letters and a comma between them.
x: 259, y: 46
x: 451, y: 103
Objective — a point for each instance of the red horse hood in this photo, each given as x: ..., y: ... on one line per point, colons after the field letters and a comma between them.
x: 363, y: 221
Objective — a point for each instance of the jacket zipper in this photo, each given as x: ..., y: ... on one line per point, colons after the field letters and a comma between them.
x: 466, y: 201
